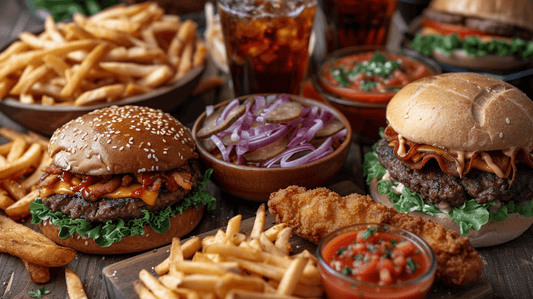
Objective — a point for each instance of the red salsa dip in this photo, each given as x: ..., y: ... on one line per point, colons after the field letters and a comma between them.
x: 371, y: 77
x: 376, y: 257
x: 375, y: 261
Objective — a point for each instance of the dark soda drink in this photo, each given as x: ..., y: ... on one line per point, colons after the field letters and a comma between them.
x: 267, y: 43
x: 358, y: 22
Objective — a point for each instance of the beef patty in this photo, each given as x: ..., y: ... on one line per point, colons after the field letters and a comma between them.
x: 436, y: 186
x: 106, y: 208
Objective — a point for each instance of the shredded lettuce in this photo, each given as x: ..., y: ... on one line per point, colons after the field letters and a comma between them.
x: 111, y: 231
x: 425, y: 44
x: 471, y: 215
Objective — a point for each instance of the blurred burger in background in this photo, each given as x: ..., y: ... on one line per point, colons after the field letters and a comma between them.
x: 458, y: 151
x: 122, y: 179
x: 477, y: 34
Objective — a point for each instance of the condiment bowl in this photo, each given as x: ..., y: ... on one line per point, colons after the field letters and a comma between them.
x: 339, y: 285
x: 366, y: 115
x: 256, y: 183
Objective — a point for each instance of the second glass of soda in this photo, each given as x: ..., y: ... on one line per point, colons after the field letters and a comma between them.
x: 267, y: 43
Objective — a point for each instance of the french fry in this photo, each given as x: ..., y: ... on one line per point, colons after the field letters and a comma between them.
x: 5, y: 86
x: 157, y: 77
x: 57, y: 64
x: 47, y: 101
x: 282, y: 240
x: 291, y: 276
x: 129, y: 69
x: 30, y: 157
x: 35, y: 42
x: 272, y: 233
x: 38, y: 274
x: 21, y: 208
x: 269, y: 247
x: 198, y: 58
x: 26, y: 98
x: 14, y: 188
x: 32, y: 180
x: 230, y: 282
x: 53, y: 32
x: 233, y: 225
x: 12, y: 134
x: 92, y: 59
x: 259, y: 223
x: 243, y: 294
x: 184, y: 63
x: 14, y: 48
x: 17, y: 149
x: 5, y: 200
x: 155, y: 286
x: 239, y: 252
x: 142, y: 291
x: 74, y: 285
x: 6, y: 148
x: 188, y: 248
x: 104, y: 92
x: 19, y: 240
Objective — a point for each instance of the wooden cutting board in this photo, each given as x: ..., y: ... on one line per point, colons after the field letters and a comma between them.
x: 119, y: 277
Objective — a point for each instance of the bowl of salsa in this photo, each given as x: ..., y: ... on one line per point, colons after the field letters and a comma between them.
x: 361, y: 80
x: 375, y: 261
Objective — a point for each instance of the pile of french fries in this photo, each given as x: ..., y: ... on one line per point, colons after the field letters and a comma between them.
x: 232, y: 265
x: 120, y: 52
x: 21, y: 163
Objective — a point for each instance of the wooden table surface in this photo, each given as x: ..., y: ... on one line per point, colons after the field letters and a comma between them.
x: 508, y: 268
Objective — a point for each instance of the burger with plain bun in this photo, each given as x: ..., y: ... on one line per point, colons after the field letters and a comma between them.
x: 458, y: 150
x: 122, y: 179
x: 477, y: 34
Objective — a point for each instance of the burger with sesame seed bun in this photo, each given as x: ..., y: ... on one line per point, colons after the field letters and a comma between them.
x: 122, y: 179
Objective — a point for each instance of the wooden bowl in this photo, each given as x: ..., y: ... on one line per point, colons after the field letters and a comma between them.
x: 255, y: 183
x: 46, y: 119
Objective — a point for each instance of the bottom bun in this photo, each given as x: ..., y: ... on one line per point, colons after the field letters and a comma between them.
x: 180, y: 225
x: 459, y: 58
x: 490, y: 234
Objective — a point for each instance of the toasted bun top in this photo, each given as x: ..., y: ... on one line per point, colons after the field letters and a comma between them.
x: 125, y: 139
x: 515, y: 12
x: 463, y: 111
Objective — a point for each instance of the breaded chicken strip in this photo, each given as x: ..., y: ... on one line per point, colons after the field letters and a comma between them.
x: 316, y: 213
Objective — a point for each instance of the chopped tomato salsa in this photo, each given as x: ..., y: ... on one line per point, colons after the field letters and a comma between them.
x: 372, y: 77
x: 376, y: 257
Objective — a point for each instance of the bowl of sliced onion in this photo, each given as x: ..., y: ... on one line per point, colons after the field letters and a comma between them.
x: 258, y: 144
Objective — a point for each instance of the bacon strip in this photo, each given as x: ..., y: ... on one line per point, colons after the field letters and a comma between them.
x: 449, y: 163
x: 107, y: 187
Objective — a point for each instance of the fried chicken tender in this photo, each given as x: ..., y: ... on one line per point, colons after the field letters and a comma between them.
x: 315, y: 213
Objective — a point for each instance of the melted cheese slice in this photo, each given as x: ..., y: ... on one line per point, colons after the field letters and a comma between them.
x: 147, y: 196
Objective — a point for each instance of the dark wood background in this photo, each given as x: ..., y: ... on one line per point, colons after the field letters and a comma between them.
x: 508, y: 268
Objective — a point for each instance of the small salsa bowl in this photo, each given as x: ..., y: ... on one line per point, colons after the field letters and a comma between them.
x: 339, y: 285
x: 366, y: 109
x: 256, y: 183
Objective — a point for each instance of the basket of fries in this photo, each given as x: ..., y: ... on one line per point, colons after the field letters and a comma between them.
x: 123, y: 55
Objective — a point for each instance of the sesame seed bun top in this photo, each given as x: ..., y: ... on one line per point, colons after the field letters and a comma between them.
x: 126, y: 139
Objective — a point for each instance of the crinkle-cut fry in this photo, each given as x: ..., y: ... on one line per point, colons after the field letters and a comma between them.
x: 23, y: 85
x: 189, y: 248
x: 5, y: 200
x: 92, y: 59
x: 157, y: 77
x: 21, y: 60
x: 129, y: 68
x: 292, y: 275
x: 104, y: 92
x: 18, y: 147
x: 21, y: 208
x: 198, y: 58
x: 74, y: 286
x: 30, y: 157
x: 24, y: 242
x: 51, y: 28
x: 38, y: 274
x: 155, y: 286
x: 142, y: 291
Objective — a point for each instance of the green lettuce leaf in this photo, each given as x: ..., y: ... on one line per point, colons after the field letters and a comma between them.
x: 425, y: 44
x: 471, y: 215
x: 109, y: 232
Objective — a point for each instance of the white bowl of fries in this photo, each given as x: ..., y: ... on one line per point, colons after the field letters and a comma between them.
x: 123, y: 55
